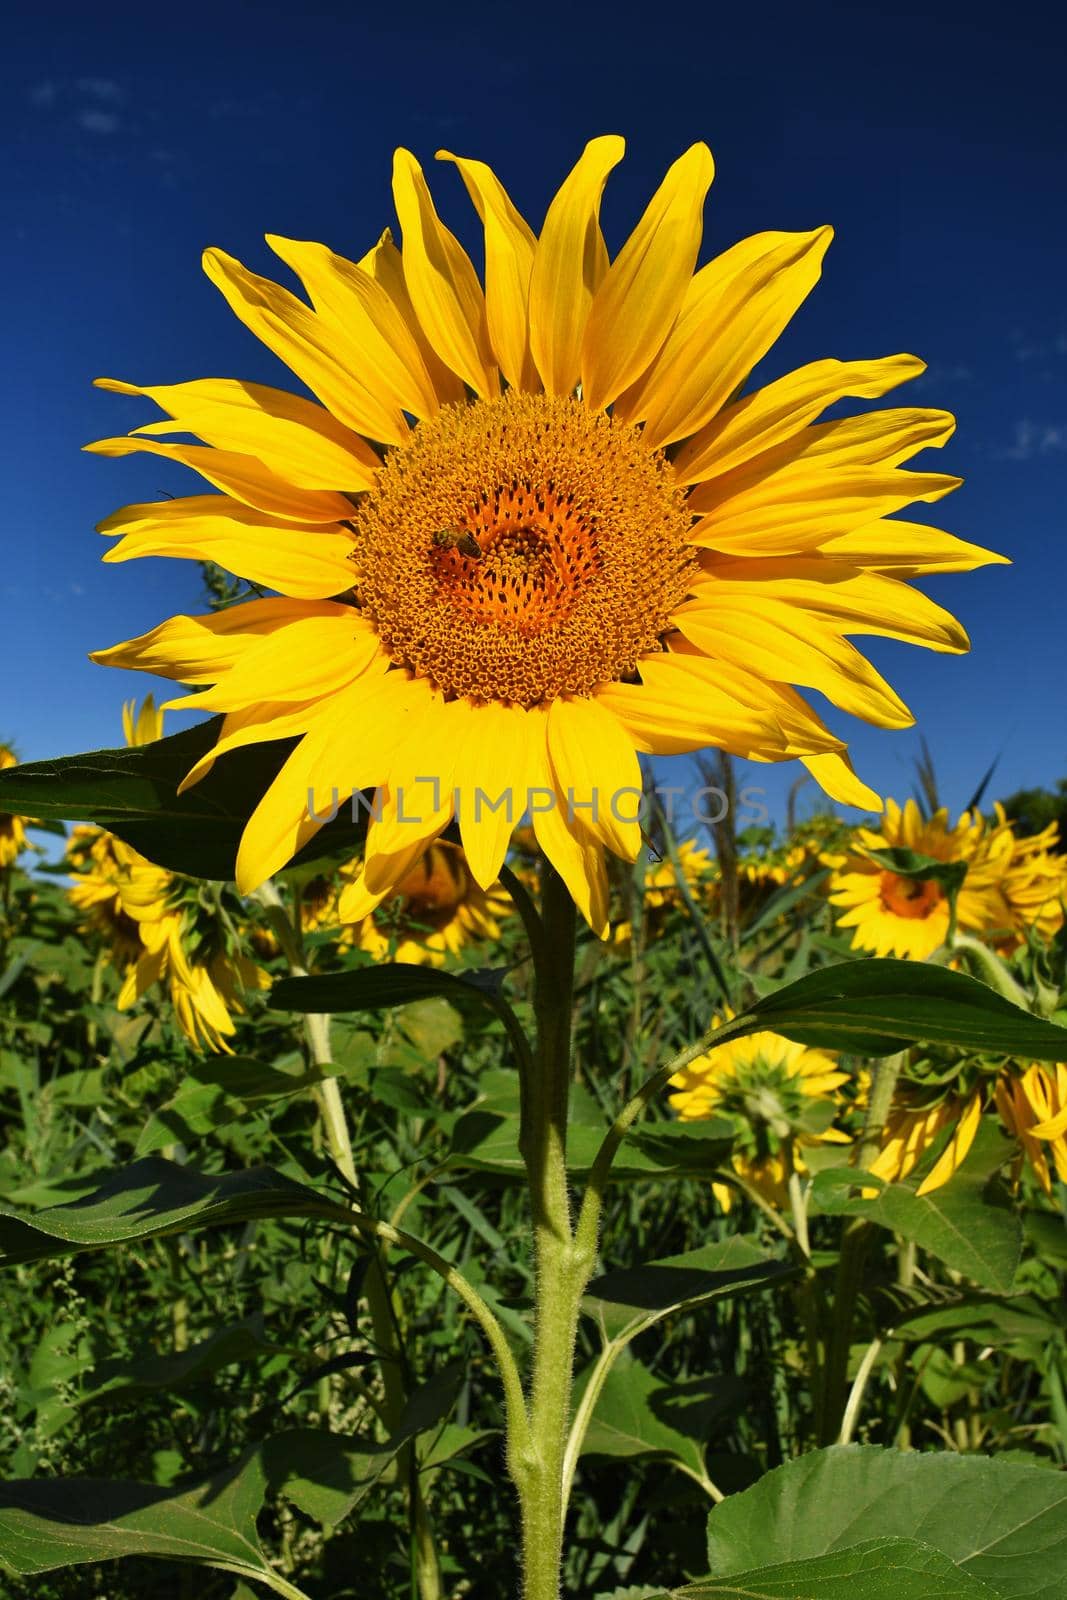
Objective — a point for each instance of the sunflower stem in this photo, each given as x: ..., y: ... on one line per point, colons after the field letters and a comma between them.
x: 561, y: 1268
x: 384, y: 1321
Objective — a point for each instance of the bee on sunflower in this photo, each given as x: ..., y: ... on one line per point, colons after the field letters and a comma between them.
x: 661, y: 566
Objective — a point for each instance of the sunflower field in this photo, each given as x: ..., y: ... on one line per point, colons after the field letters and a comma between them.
x: 433, y: 1165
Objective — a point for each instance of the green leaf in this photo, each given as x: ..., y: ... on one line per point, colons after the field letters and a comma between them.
x: 134, y: 794
x: 877, y: 1569
x: 637, y: 1414
x: 64, y: 1522
x: 905, y: 863
x: 967, y: 1223
x: 873, y: 1007
x: 632, y: 1299
x: 154, y: 1197
x: 128, y: 1377
x: 1002, y: 1523
x: 378, y: 986
x: 216, y: 1092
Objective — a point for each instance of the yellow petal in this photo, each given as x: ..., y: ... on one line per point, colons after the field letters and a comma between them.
x: 357, y: 309
x: 493, y: 761
x: 955, y: 1152
x: 441, y: 281
x: 295, y: 439
x: 834, y: 774
x: 767, y: 637
x: 347, y: 747
x: 734, y: 310
x: 258, y: 724
x: 874, y: 438
x: 304, y: 563
x: 201, y: 649
x: 385, y: 265
x: 777, y: 412
x: 247, y: 479
x: 802, y: 506
x: 634, y: 308
x: 569, y: 266
x: 908, y: 549
x: 681, y: 705
x: 596, y: 772
x: 306, y: 660
x: 510, y: 244
x: 577, y: 857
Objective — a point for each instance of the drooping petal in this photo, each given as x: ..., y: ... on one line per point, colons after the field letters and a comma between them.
x: 510, y: 244
x: 569, y: 266
x: 303, y: 563
x: 732, y: 313
x: 779, y: 411
x: 576, y: 856
x: 834, y: 774
x: 354, y: 306
x: 441, y: 281
x: 298, y: 441
x: 243, y: 477
x: 319, y: 355
x: 634, y: 308
x: 201, y: 649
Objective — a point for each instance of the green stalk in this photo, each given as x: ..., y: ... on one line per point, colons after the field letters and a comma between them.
x: 561, y: 1269
x: 376, y: 1288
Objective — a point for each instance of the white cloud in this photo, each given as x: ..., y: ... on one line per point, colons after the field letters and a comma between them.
x: 43, y: 94
x: 94, y: 121
x: 1035, y: 439
x: 100, y: 88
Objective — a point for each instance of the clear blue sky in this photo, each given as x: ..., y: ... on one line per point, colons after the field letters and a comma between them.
x: 932, y: 137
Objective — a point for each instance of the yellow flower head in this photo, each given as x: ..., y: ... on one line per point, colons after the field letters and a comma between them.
x: 12, y: 829
x: 1033, y: 1107
x: 525, y: 531
x: 436, y: 910
x: 894, y: 915
x: 913, y: 1128
x: 155, y: 924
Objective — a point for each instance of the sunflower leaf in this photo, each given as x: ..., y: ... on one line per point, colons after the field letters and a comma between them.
x: 876, y: 1569
x: 134, y: 794
x: 875, y: 1006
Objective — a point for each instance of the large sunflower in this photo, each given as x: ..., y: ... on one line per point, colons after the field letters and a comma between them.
x: 529, y: 531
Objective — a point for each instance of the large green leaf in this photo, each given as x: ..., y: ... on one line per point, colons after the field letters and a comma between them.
x: 134, y: 793
x: 626, y: 1302
x: 153, y: 1197
x: 638, y: 1414
x: 968, y: 1223
x: 876, y: 1006
x: 217, y: 1091
x: 1001, y: 1522
x: 876, y: 1569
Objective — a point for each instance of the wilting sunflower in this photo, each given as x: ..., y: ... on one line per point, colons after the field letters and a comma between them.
x: 781, y: 1096
x: 529, y: 532
x: 159, y: 926
x: 903, y: 916
x: 435, y: 911
x: 1033, y: 1107
x: 12, y: 829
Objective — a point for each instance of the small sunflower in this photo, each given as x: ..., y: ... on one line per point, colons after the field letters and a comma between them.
x: 527, y: 531
x: 12, y: 829
x: 1033, y: 885
x: 436, y: 910
x: 160, y: 927
x: 909, y: 917
x: 1033, y: 1107
x: 781, y: 1096
x: 914, y: 1127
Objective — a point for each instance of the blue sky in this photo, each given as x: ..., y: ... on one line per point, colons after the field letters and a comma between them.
x: 932, y: 137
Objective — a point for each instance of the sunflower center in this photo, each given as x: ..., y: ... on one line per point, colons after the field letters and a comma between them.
x: 522, y: 548
x: 433, y: 891
x: 910, y: 897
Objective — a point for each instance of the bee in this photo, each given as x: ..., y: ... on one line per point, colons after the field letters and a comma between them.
x: 458, y: 539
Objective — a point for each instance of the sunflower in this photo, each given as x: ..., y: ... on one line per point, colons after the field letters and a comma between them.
x: 158, y: 926
x: 12, y: 829
x: 435, y: 911
x: 913, y: 1128
x: 781, y: 1096
x: 1033, y: 1107
x: 1033, y: 885
x: 909, y: 917
x: 526, y: 531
